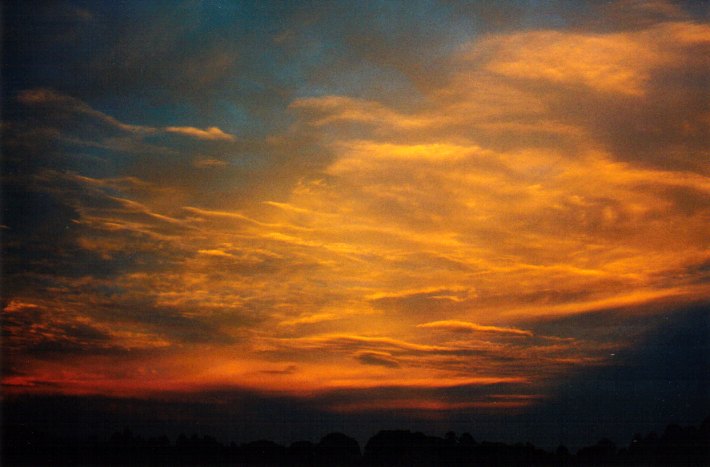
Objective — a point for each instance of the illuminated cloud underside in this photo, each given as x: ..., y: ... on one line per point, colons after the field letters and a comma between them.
x: 420, y: 257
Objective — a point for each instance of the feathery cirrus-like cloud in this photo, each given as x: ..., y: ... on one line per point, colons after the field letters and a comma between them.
x: 520, y: 187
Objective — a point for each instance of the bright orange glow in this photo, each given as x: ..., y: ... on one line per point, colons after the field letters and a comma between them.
x: 425, y: 252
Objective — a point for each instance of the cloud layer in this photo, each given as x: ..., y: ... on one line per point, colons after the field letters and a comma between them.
x: 363, y: 239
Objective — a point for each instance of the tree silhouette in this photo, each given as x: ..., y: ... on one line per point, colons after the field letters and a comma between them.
x: 22, y: 445
x: 337, y: 449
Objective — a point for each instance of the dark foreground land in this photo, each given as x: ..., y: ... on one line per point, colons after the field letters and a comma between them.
x: 686, y: 446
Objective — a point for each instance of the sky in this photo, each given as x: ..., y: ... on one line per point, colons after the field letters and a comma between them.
x: 487, y: 216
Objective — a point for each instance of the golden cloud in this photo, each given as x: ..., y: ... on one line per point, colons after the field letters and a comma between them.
x: 211, y: 134
x: 454, y: 325
x: 500, y: 199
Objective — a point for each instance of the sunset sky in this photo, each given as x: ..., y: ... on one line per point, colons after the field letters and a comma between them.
x: 427, y: 212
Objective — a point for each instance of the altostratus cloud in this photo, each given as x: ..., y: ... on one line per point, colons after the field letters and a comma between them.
x: 212, y: 133
x: 424, y: 223
x: 371, y: 357
x: 52, y: 99
x: 454, y: 325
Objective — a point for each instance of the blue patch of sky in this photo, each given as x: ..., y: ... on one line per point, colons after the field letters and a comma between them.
x: 548, y: 13
x: 281, y: 51
x: 64, y: 47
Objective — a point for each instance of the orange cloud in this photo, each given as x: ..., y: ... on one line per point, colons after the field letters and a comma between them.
x: 370, y: 357
x: 208, y: 163
x: 612, y: 63
x: 17, y: 305
x: 505, y: 196
x: 219, y: 253
x: 211, y: 134
x: 616, y: 62
x: 453, y: 325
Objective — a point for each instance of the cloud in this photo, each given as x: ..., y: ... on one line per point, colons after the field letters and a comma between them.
x: 35, y: 331
x: 327, y: 110
x: 210, y: 134
x: 376, y: 358
x: 453, y: 325
x: 346, y: 342
x: 536, y: 173
x: 427, y: 300
x: 49, y: 98
x: 290, y: 369
x: 208, y: 163
x: 58, y: 102
x: 310, y: 319
x: 218, y: 253
x: 614, y: 63
x: 17, y: 305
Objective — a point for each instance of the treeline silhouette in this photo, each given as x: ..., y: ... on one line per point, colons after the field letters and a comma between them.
x: 686, y: 446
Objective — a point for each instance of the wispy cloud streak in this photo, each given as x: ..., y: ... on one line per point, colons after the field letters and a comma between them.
x: 365, y: 241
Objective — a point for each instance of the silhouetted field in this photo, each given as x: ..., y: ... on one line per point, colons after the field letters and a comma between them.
x: 686, y: 446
